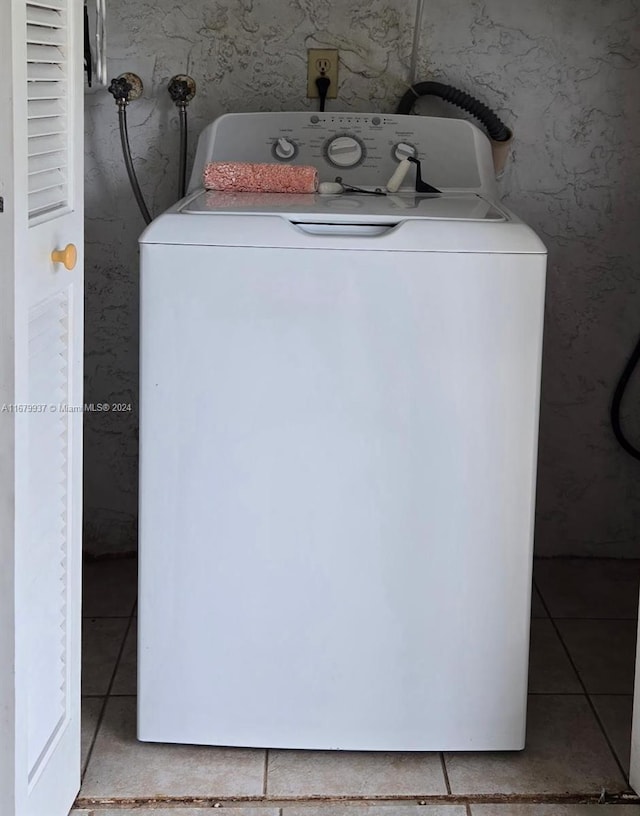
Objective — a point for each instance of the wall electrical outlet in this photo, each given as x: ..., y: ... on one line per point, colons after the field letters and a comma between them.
x: 322, y: 62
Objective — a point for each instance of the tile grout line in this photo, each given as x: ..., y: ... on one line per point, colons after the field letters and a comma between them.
x: 555, y: 693
x: 574, y: 618
x: 582, y: 684
x: 445, y: 773
x: 96, y: 696
x: 611, y: 694
x: 578, y: 694
x: 468, y: 809
x: 592, y: 706
x: 124, y: 694
x: 105, y: 701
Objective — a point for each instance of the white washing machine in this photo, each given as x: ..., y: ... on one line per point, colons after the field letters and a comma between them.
x: 338, y: 436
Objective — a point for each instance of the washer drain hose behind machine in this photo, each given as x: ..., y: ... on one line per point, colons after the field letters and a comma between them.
x: 497, y: 130
x: 616, y: 402
x: 499, y: 133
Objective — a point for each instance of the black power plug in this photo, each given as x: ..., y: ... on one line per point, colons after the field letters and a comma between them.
x: 322, y: 84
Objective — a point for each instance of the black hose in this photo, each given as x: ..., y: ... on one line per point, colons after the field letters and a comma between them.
x: 497, y: 130
x: 126, y: 150
x: 182, y: 179
x: 616, y: 402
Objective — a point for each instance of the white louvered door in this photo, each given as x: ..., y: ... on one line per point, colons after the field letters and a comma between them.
x: 41, y: 334
x: 47, y: 33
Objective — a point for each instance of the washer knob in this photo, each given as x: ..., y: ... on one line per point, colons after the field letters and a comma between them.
x: 344, y: 151
x: 403, y: 151
x: 284, y: 149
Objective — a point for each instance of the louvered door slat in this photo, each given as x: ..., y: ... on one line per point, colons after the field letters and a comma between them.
x: 46, y: 127
x: 46, y: 181
x: 43, y: 16
x: 45, y: 201
x: 44, y: 53
x: 45, y: 90
x: 49, y: 161
x: 40, y: 145
x: 55, y: 5
x: 43, y: 72
x: 44, y: 35
x: 47, y: 46
x: 40, y: 108
x: 44, y: 337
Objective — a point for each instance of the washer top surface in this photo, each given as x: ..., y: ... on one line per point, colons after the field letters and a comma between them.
x: 346, y: 207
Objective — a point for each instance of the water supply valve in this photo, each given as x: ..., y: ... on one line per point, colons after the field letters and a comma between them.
x: 182, y: 89
x: 126, y: 88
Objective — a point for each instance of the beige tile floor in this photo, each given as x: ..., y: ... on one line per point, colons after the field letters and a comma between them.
x: 579, y: 718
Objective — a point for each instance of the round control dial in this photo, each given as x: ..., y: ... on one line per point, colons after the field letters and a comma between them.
x: 284, y: 149
x: 403, y: 151
x: 344, y: 151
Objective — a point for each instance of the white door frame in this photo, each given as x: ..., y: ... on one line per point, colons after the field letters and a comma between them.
x: 7, y: 437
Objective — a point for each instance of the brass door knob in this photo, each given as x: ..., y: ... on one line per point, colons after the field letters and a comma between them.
x: 67, y: 256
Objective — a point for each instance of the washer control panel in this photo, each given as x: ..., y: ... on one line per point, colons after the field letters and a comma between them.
x: 345, y: 151
x: 363, y: 149
x: 284, y: 149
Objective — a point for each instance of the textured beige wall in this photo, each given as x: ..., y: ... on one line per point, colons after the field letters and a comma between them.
x: 244, y: 56
x: 563, y: 75
x: 566, y: 76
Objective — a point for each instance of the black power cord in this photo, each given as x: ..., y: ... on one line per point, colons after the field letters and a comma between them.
x: 616, y: 402
x: 322, y: 84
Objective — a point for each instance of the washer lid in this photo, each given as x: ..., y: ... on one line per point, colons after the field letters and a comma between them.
x: 347, y: 207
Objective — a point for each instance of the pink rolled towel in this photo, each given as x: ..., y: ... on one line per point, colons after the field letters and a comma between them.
x: 247, y: 177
